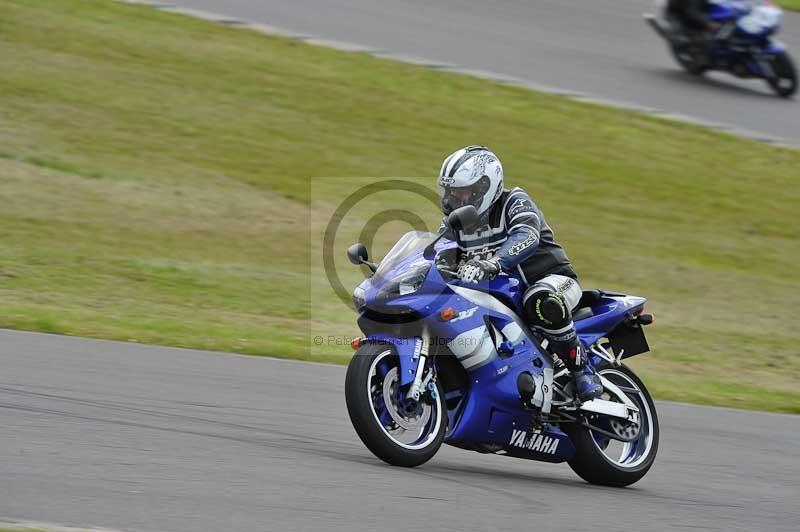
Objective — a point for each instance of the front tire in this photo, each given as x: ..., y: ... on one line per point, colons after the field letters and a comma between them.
x: 785, y: 82
x: 594, y: 460
x: 399, y: 432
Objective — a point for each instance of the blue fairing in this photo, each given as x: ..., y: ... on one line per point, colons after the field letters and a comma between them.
x: 723, y: 11
x: 608, y: 313
x: 406, y: 350
x: 775, y: 47
x: 488, y: 338
x: 737, y: 11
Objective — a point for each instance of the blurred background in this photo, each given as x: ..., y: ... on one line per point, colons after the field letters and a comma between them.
x: 157, y: 172
x: 168, y: 177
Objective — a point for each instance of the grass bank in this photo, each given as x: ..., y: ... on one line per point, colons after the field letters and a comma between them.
x: 790, y: 4
x: 157, y: 173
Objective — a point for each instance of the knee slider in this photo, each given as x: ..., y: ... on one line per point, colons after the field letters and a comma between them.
x: 549, y: 310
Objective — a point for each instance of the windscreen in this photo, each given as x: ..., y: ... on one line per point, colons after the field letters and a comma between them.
x: 409, y: 244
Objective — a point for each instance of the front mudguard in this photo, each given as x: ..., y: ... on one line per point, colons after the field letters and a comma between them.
x: 407, y: 350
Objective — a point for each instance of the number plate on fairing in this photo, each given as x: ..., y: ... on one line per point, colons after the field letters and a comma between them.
x: 629, y: 339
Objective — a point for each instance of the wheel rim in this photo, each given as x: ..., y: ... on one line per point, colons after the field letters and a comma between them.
x: 628, y: 455
x: 686, y: 59
x: 411, y: 425
x: 785, y: 84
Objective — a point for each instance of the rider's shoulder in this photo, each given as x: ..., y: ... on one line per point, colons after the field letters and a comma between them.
x: 518, y: 207
x: 517, y: 195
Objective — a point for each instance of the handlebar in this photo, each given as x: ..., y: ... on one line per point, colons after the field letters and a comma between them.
x: 449, y: 272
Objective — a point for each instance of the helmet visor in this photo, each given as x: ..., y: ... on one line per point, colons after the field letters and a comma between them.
x: 456, y: 197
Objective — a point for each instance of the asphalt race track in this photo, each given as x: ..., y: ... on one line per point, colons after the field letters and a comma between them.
x: 600, y: 48
x: 143, y: 438
x: 140, y: 438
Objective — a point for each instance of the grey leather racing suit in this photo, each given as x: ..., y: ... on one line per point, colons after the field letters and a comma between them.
x: 515, y: 231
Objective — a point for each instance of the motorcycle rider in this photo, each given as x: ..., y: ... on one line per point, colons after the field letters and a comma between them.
x: 513, y: 236
x: 692, y: 14
x: 692, y: 17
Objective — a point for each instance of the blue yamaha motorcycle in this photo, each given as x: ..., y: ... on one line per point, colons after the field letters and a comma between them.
x: 743, y: 46
x: 445, y: 361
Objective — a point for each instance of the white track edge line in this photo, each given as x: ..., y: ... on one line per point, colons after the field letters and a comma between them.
x: 22, y: 526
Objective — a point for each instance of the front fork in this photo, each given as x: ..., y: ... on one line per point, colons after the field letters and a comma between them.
x: 424, y: 378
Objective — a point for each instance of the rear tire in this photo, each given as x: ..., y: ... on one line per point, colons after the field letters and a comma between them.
x: 368, y: 405
x: 592, y: 464
x: 785, y: 84
x: 688, y: 60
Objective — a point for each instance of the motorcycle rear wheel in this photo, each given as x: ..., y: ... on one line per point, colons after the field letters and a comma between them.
x: 593, y: 462
x: 688, y: 60
x: 398, y: 431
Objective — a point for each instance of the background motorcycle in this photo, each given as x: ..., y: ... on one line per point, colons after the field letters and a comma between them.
x: 743, y: 46
x: 448, y: 361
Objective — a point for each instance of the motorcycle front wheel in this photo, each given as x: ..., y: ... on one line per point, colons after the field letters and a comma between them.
x: 785, y: 81
x: 608, y: 462
x: 399, y: 431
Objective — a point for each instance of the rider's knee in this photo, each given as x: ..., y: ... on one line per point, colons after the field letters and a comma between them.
x: 547, y: 309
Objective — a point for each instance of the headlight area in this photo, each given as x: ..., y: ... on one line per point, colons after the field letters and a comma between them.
x: 406, y: 283
x: 359, y: 297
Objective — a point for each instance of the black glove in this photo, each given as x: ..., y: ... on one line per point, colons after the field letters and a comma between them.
x: 479, y: 270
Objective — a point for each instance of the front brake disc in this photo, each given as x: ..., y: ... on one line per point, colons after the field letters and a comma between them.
x: 407, y: 419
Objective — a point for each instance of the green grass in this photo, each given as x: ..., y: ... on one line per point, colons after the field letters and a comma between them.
x: 790, y: 4
x: 156, y: 183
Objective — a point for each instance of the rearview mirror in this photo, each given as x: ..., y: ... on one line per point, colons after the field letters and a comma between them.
x: 357, y: 253
x: 464, y: 218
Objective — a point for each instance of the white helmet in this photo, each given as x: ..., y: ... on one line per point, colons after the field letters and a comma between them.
x: 470, y: 176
